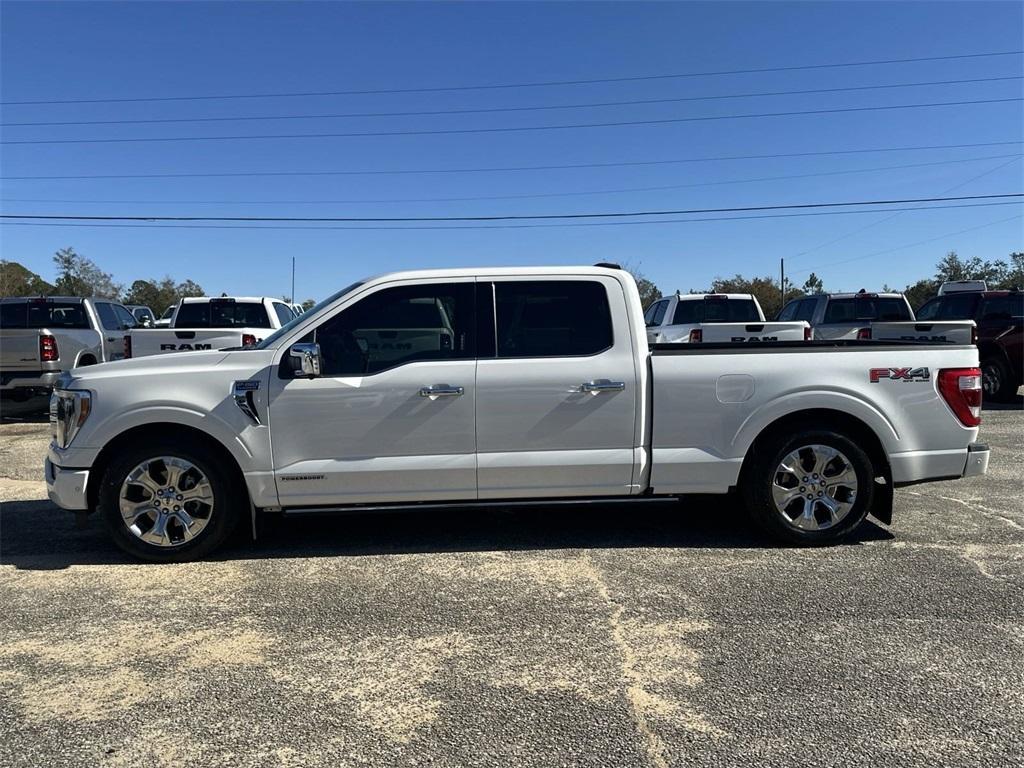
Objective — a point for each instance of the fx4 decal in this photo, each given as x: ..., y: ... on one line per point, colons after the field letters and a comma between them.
x: 899, y: 374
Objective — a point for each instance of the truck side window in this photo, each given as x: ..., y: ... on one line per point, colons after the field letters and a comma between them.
x: 789, y: 311
x: 1001, y: 308
x: 13, y: 314
x: 930, y: 310
x: 655, y: 313
x: 284, y: 314
x: 126, y: 318
x: 806, y: 309
x: 108, y: 317
x: 400, y: 325
x: 557, y: 318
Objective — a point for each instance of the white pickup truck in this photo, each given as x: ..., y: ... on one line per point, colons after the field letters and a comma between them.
x: 515, y: 385
x: 202, y: 322
x: 879, y: 316
x: 716, y: 317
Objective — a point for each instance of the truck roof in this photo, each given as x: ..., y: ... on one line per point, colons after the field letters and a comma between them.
x: 12, y: 299
x: 866, y: 294
x: 496, y: 272
x: 702, y: 296
x: 202, y: 299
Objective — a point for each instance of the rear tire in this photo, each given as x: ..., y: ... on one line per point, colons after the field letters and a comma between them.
x: 997, y: 380
x: 808, y: 486
x: 168, y: 501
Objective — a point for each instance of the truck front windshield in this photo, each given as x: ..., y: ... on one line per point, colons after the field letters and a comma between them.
x: 273, y: 338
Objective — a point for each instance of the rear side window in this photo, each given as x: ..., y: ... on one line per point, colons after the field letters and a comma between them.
x: 1009, y: 307
x: 558, y: 318
x: 655, y: 313
x: 715, y: 311
x: 789, y: 311
x: 953, y: 307
x: 222, y: 314
x: 47, y: 314
x: 108, y: 317
x: 806, y: 310
x: 284, y: 314
x: 13, y: 314
x: 866, y: 309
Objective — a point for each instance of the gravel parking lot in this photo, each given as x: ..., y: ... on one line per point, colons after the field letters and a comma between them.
x: 659, y: 635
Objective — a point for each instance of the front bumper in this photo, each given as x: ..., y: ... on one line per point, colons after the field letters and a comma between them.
x: 67, y: 487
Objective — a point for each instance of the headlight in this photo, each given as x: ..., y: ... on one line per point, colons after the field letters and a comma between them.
x: 69, y: 408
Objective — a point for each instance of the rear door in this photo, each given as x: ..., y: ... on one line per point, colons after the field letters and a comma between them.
x: 1001, y: 320
x: 557, y: 398
x: 112, y: 328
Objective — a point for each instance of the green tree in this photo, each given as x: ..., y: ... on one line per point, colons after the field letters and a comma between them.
x: 649, y: 292
x: 918, y: 293
x: 17, y: 280
x: 79, y: 276
x: 813, y: 284
x: 158, y: 295
x: 764, y: 289
x: 308, y: 304
x: 952, y: 267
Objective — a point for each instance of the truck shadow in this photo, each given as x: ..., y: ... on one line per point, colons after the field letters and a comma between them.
x: 39, y: 536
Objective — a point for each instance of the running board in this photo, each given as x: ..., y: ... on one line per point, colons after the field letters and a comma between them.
x: 454, y: 505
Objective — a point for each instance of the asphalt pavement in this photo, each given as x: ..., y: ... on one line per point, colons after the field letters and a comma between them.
x: 658, y: 635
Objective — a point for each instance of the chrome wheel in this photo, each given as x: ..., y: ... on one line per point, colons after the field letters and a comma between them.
x: 166, y: 501
x: 814, y: 487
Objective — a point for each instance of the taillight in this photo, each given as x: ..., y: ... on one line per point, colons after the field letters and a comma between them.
x: 807, y: 334
x: 696, y: 335
x: 248, y: 340
x: 48, y: 349
x: 961, y: 389
x: 127, y: 346
x: 864, y: 334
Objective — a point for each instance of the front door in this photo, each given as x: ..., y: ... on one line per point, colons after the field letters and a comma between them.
x: 557, y: 402
x: 392, y: 417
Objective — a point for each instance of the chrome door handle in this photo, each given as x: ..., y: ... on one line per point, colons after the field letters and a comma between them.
x: 441, y: 390
x: 602, y: 385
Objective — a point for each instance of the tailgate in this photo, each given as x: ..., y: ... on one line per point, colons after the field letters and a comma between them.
x: 162, y: 341
x: 942, y: 331
x: 19, y: 350
x: 739, y: 333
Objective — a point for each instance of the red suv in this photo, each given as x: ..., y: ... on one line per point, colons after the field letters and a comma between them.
x: 1000, y: 319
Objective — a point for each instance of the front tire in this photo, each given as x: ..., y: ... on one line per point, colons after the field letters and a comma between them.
x: 167, y: 501
x: 808, y: 486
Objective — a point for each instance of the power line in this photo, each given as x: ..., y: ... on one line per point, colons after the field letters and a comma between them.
x: 501, y: 217
x: 509, y: 129
x: 659, y: 188
x: 394, y: 228
x: 488, y: 110
x: 910, y: 245
x: 496, y: 86
x: 504, y: 169
x: 950, y: 190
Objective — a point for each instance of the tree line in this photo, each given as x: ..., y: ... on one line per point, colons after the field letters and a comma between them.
x: 999, y: 274
x: 80, y: 276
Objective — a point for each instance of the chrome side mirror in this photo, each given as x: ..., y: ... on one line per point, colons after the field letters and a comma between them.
x: 305, y: 360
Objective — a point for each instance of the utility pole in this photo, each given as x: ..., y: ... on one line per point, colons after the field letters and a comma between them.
x: 782, y: 280
x: 293, y: 279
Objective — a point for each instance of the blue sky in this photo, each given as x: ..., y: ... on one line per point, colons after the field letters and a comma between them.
x: 89, y: 50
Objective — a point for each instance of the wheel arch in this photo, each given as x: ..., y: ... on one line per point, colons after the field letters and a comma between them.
x: 154, y: 431
x: 846, y: 424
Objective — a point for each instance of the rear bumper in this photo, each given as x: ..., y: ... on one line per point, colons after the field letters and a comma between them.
x: 10, y: 380
x: 66, y: 487
x: 977, y: 460
x: 927, y: 466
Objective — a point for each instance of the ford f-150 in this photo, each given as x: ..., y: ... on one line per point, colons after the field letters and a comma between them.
x: 504, y: 385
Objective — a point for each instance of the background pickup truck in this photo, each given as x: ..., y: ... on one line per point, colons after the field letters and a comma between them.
x: 879, y: 316
x: 715, y: 317
x: 213, y: 323
x: 42, y: 336
x: 1000, y: 319
x: 533, y: 384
